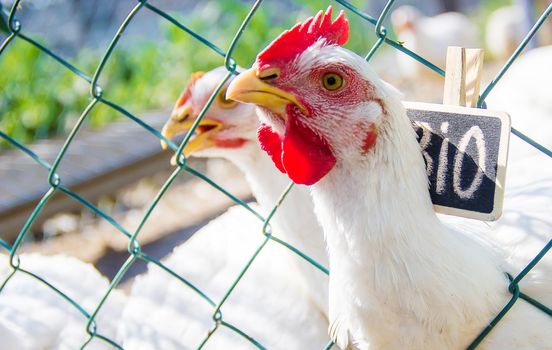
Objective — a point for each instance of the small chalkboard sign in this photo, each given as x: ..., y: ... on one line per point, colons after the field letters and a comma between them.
x: 465, y: 150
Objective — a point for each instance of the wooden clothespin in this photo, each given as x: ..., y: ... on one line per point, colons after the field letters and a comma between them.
x: 463, y: 76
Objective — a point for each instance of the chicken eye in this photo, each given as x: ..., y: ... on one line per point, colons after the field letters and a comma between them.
x: 332, y: 81
x: 223, y: 102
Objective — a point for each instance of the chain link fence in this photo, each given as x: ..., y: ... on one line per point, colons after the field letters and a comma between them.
x: 16, y: 32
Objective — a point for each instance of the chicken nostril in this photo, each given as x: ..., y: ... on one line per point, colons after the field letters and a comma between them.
x: 269, y: 73
x: 269, y: 77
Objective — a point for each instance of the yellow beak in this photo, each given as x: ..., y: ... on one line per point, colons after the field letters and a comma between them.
x: 181, y: 120
x: 249, y: 88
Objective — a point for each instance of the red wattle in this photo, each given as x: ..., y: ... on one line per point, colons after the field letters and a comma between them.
x: 271, y: 143
x: 306, y: 157
x: 301, y: 154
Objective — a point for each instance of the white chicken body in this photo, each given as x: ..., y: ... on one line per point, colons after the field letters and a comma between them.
x: 396, y: 269
x: 506, y: 28
x: 294, y: 221
x: 269, y: 303
x: 504, y: 31
x: 33, y: 316
x: 430, y: 36
x: 525, y: 94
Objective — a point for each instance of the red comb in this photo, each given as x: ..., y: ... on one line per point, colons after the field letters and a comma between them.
x: 296, y: 40
x: 185, y: 95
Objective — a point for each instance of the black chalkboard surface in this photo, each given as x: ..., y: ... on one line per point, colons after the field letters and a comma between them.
x: 465, y: 150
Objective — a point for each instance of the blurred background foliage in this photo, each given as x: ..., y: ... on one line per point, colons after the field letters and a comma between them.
x: 39, y: 98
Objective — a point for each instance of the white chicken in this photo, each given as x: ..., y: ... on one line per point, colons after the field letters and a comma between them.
x: 429, y: 37
x: 33, y: 316
x: 271, y: 303
x: 526, y: 225
x: 281, y: 301
x: 229, y: 130
x: 525, y: 94
x: 400, y: 278
x: 504, y: 31
x: 506, y: 28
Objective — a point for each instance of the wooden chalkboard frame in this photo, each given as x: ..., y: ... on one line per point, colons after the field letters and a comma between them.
x: 502, y: 156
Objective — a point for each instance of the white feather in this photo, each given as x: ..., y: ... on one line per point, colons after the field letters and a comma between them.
x: 33, y: 316
x: 271, y: 303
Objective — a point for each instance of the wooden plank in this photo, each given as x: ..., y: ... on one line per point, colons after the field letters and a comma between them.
x: 474, y: 72
x: 96, y: 163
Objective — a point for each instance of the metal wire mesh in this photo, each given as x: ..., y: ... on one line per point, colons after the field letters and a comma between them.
x: 15, y: 29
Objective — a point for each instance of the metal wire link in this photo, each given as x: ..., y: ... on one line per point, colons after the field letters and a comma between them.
x: 16, y: 31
